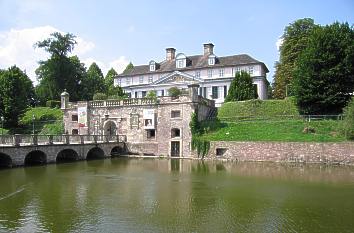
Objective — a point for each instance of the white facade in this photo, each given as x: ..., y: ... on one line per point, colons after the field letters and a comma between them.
x: 214, y: 79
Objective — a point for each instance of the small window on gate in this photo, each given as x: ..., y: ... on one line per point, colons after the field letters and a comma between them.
x: 175, y: 114
x: 74, y: 118
x: 74, y: 131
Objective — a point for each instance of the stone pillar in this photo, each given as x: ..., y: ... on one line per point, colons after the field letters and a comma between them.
x: 66, y: 139
x: 50, y: 139
x: 193, y: 91
x: 17, y: 139
x: 34, y: 139
x: 82, y: 139
x: 64, y: 100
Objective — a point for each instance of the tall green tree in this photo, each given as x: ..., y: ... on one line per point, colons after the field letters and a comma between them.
x: 294, y: 41
x: 324, y: 74
x: 93, y: 82
x: 241, y: 88
x: 59, y: 72
x: 128, y: 67
x: 16, y: 95
x: 109, y: 82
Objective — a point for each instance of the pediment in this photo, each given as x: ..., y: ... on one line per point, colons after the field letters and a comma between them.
x: 176, y: 77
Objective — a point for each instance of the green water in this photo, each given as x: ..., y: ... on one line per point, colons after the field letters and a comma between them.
x: 147, y: 195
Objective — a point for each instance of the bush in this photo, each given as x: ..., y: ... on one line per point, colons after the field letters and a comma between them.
x: 347, y: 126
x: 174, y: 92
x: 99, y: 96
x: 53, y: 128
x: 116, y: 97
x: 52, y: 104
x: 3, y: 131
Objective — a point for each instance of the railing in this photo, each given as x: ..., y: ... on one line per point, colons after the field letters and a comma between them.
x: 30, y: 139
x: 308, y: 118
x: 123, y: 102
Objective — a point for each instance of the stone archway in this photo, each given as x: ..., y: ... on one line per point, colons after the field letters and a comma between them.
x: 95, y: 153
x: 110, y: 128
x: 67, y: 155
x: 5, y: 161
x: 35, y: 157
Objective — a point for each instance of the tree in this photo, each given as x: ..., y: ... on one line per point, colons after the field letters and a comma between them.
x: 93, y: 82
x: 241, y: 88
x: 16, y: 95
x: 348, y: 122
x: 324, y: 74
x: 294, y: 41
x: 59, y: 72
x: 128, y: 67
x: 174, y: 91
x: 109, y: 82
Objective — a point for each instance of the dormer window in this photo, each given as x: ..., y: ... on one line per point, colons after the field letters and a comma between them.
x: 152, y: 65
x: 211, y: 60
x: 181, y: 60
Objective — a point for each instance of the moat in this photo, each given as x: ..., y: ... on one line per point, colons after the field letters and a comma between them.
x: 161, y: 195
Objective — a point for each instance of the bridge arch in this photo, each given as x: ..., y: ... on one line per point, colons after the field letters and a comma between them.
x: 119, y: 150
x: 95, y: 153
x: 67, y: 155
x: 5, y: 161
x: 35, y: 157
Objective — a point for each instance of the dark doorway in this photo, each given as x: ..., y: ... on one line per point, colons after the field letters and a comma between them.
x: 35, y: 157
x: 95, y: 153
x: 5, y: 161
x: 175, y: 149
x: 67, y: 155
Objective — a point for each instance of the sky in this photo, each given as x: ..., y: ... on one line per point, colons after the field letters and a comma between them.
x: 113, y: 33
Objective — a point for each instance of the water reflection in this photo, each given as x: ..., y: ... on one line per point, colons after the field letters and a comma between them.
x: 157, y: 195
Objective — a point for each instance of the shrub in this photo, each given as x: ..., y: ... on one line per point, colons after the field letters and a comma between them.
x: 52, y: 104
x: 99, y: 96
x: 53, y: 128
x: 347, y: 126
x: 174, y: 92
x: 41, y: 114
x: 3, y: 131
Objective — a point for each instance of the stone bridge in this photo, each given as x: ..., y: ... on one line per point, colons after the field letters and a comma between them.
x: 23, y: 150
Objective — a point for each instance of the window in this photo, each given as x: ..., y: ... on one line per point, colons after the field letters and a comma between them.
x: 181, y: 60
x: 141, y: 79
x: 150, y: 79
x: 238, y: 69
x: 210, y: 73
x: 175, y: 113
x: 136, y: 94
x: 152, y: 65
x: 250, y: 70
x: 221, y: 72
x: 162, y: 92
x: 225, y: 91
x: 150, y: 134
x: 143, y: 94
x: 200, y: 91
x: 74, y: 118
x: 180, y: 64
x: 211, y: 61
x: 215, y: 93
x: 127, y: 81
x: 119, y: 81
x: 175, y: 133
x: 197, y: 74
x: 74, y: 131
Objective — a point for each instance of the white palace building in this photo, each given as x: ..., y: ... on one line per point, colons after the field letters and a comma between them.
x: 213, y: 74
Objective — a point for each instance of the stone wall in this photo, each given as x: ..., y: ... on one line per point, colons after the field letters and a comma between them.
x: 304, y: 152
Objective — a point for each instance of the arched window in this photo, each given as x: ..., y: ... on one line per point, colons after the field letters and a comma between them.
x: 152, y: 65
x: 181, y: 60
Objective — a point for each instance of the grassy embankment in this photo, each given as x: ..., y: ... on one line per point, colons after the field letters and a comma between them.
x: 270, y: 120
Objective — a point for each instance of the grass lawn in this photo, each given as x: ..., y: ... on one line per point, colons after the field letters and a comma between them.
x: 283, y: 130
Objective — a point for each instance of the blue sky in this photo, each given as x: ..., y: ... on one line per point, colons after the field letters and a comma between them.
x: 112, y: 33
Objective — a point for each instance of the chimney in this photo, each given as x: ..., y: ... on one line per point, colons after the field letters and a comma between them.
x: 208, y: 49
x: 170, y: 54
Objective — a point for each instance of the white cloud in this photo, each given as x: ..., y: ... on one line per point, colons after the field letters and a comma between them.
x: 16, y: 48
x: 279, y: 43
x: 118, y: 64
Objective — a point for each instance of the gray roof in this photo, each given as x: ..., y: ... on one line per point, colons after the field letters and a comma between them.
x: 194, y: 62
